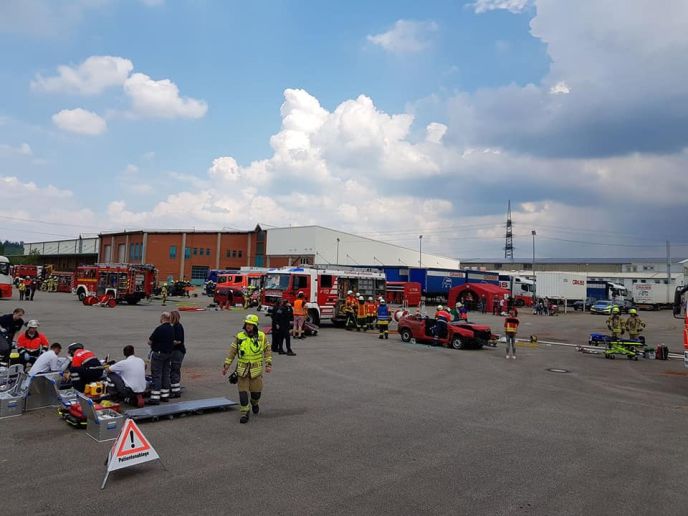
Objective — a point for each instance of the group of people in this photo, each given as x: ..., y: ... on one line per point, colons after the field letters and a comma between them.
x: 634, y: 325
x: 31, y: 348
x: 363, y: 315
x: 27, y: 288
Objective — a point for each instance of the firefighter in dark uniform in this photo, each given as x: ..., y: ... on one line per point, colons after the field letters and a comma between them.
x: 383, y: 318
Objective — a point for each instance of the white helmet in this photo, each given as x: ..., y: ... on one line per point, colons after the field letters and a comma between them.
x: 33, y: 323
x: 440, y: 307
x: 361, y: 298
x: 382, y: 301
x: 370, y: 298
x: 349, y: 292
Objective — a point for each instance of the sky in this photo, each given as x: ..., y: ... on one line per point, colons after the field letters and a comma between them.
x: 389, y: 119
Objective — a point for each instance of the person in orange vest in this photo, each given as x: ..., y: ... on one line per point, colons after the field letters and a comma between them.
x: 510, y: 329
x: 361, y: 315
x: 442, y: 318
x: 371, y: 310
x: 299, y: 314
x: 84, y: 367
x: 350, y: 307
x: 31, y: 343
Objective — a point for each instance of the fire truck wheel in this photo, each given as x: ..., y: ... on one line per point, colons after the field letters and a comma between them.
x: 520, y: 303
x: 112, y: 303
x: 82, y: 295
x: 313, y: 317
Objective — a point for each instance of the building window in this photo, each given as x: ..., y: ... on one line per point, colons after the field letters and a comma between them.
x: 107, y: 254
x: 239, y: 253
x: 234, y: 254
x: 187, y: 252
x: 229, y: 253
x: 195, y: 251
x: 207, y: 251
x: 173, y: 252
x: 200, y: 251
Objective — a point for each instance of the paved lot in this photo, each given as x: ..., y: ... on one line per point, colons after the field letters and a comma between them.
x: 355, y: 425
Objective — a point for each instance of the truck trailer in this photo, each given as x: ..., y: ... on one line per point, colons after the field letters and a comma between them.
x: 566, y: 286
x: 652, y: 296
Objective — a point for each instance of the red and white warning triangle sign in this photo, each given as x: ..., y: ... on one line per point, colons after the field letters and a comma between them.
x: 130, y: 448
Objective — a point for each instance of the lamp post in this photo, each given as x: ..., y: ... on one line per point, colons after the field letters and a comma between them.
x: 420, y: 251
x: 533, y: 265
x: 337, y: 250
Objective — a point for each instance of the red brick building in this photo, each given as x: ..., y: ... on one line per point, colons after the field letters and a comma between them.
x: 185, y: 255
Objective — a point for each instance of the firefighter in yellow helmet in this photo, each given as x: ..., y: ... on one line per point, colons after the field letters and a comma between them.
x: 634, y: 324
x: 615, y: 323
x: 253, y: 356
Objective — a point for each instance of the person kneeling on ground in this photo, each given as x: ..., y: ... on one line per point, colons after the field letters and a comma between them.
x: 129, y: 377
x: 252, y: 352
x: 31, y: 343
x: 49, y: 362
x: 84, y: 368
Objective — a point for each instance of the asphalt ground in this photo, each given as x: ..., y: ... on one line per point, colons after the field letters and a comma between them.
x: 355, y: 425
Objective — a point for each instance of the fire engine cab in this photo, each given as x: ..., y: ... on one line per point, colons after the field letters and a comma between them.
x: 121, y: 281
x: 324, y: 289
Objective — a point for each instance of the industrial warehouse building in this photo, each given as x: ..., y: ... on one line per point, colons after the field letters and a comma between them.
x: 65, y: 255
x: 190, y: 254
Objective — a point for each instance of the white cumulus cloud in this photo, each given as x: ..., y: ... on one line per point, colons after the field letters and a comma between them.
x: 514, y: 6
x: 93, y: 76
x: 560, y: 88
x: 80, y: 121
x: 161, y: 99
x: 23, y: 149
x: 405, y: 36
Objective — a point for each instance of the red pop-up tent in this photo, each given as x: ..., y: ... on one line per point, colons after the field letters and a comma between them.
x: 477, y: 291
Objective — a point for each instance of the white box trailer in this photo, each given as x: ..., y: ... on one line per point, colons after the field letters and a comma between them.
x: 653, y: 296
x: 568, y: 286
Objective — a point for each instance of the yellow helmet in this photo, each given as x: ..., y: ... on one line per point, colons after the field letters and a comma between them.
x: 616, y: 310
x: 251, y: 319
x: 633, y: 311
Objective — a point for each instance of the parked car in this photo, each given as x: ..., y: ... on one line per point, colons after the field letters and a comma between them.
x: 604, y: 306
x: 584, y: 305
x: 460, y: 335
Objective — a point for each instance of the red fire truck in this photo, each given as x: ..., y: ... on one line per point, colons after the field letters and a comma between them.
x: 324, y: 289
x: 121, y: 281
x: 403, y: 293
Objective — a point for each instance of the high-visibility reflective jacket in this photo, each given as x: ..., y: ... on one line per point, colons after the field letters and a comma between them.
x: 634, y: 325
x: 383, y: 313
x: 80, y: 356
x: 32, y: 344
x: 300, y: 307
x: 362, y: 309
x: 371, y: 307
x: 616, y: 325
x: 252, y: 354
x: 511, y: 325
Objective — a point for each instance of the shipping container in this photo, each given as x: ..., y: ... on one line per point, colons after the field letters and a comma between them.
x: 561, y: 285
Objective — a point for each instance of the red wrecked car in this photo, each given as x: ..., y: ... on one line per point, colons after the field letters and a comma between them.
x: 459, y: 335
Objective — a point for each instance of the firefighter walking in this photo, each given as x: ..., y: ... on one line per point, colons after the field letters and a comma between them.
x: 634, y: 324
x: 350, y: 306
x: 253, y: 356
x: 615, y: 323
x: 361, y: 315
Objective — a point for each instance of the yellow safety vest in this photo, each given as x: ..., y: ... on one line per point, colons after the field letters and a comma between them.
x: 251, y: 353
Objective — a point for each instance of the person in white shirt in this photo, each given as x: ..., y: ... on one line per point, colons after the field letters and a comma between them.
x: 49, y: 361
x: 129, y: 377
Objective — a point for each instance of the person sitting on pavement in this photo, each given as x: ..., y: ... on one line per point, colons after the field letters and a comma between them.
x: 49, y: 362
x: 84, y: 367
x: 31, y: 343
x: 128, y: 377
